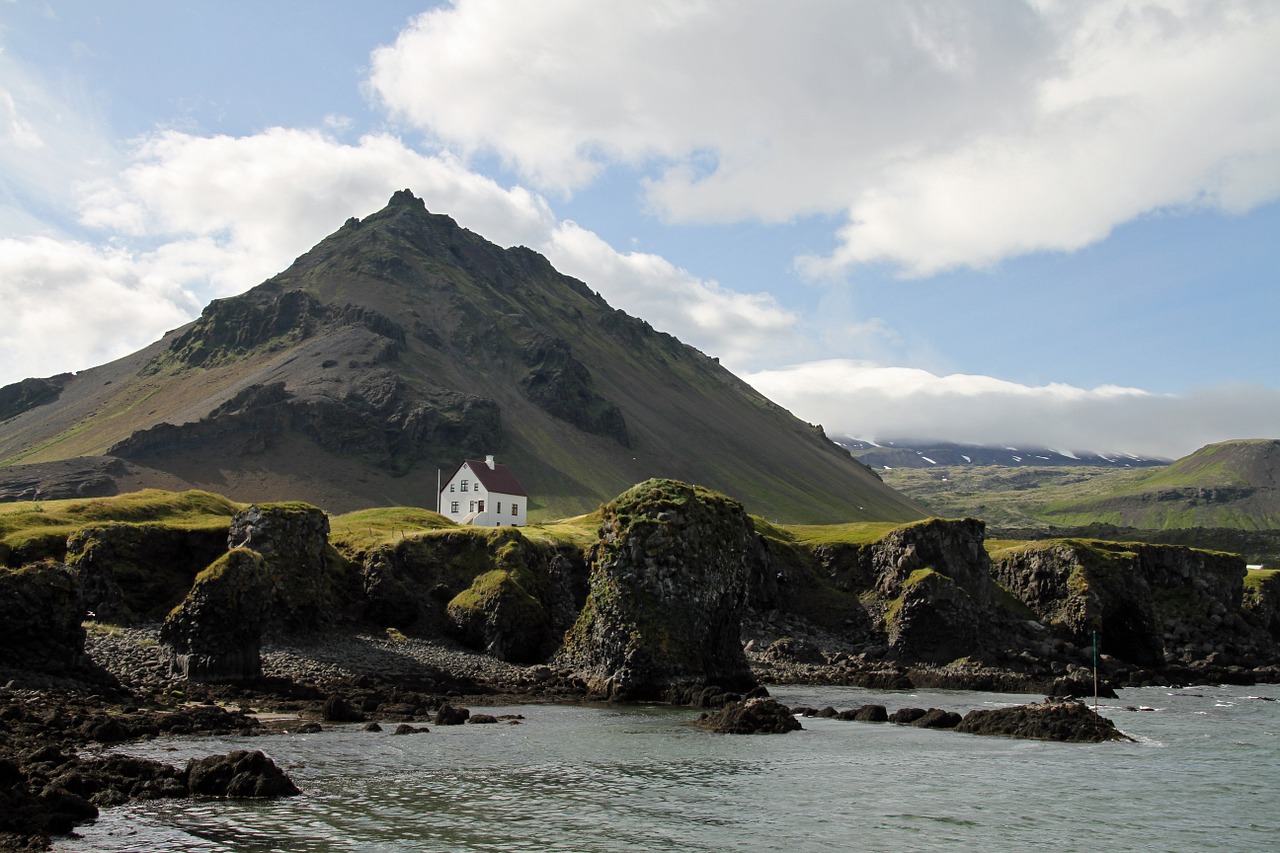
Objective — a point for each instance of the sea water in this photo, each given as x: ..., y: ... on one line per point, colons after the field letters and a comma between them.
x: 1202, y: 774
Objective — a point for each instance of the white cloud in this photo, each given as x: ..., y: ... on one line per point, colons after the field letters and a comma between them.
x: 950, y: 134
x: 69, y: 306
x: 237, y: 210
x: 51, y: 136
x: 866, y: 400
x: 742, y: 328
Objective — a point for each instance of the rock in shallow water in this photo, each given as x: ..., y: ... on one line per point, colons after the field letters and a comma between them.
x: 751, y: 717
x: 1071, y: 722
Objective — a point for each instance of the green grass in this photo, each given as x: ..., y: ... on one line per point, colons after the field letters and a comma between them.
x: 581, y: 530
x: 852, y: 533
x: 35, y: 529
x: 365, y: 529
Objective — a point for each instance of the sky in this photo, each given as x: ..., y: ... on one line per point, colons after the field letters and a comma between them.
x: 1007, y: 222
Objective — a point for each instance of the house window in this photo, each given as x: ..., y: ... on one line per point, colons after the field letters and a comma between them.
x: 463, y: 486
x: 453, y: 507
x: 498, y: 508
x: 515, y: 509
x: 451, y: 488
x: 473, y: 507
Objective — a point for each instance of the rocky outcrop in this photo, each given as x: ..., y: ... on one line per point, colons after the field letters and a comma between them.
x: 41, y: 611
x: 1070, y: 722
x: 376, y: 415
x: 498, y: 615
x: 29, y: 394
x: 238, y: 774
x: 216, y: 633
x: 82, y: 477
x: 139, y: 572
x: 761, y: 716
x: 1150, y: 604
x: 562, y: 386
x: 1262, y: 601
x: 493, y: 588
x: 933, y: 619
x: 935, y: 577
x: 292, y: 539
x: 668, y: 588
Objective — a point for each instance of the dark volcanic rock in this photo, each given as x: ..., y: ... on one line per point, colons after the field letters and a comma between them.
x: 238, y: 774
x: 293, y: 541
x: 1072, y: 722
x: 133, y: 572
x: 447, y: 715
x: 41, y: 611
x: 934, y: 620
x: 216, y: 634
x: 1143, y: 600
x: 751, y: 717
x: 28, y: 394
x: 336, y: 709
x: 560, y: 384
x: 668, y: 588
x: 936, y: 718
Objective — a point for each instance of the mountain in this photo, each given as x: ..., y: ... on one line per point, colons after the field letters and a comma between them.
x: 910, y: 454
x: 1233, y: 484
x: 398, y: 346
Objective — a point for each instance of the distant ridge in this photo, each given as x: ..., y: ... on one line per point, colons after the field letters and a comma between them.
x: 400, y: 345
x: 1232, y: 484
x: 909, y: 454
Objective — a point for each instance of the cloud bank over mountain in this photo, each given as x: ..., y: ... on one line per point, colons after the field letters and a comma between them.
x: 869, y: 401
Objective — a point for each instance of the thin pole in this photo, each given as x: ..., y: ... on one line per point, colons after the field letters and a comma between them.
x: 1095, y: 672
x: 437, y: 490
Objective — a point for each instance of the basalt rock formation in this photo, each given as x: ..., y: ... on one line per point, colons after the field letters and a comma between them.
x: 761, y: 716
x: 216, y: 633
x: 1150, y: 604
x: 41, y: 611
x: 1068, y: 722
x: 669, y: 581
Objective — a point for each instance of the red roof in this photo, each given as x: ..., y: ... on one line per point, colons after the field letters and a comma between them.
x: 496, y: 479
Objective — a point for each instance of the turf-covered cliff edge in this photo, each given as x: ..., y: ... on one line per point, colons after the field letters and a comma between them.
x: 402, y: 344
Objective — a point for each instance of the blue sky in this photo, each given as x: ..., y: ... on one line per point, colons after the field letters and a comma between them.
x: 1003, y: 222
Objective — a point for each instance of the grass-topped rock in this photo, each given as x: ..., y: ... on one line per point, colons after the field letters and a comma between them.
x: 216, y: 633
x: 668, y: 588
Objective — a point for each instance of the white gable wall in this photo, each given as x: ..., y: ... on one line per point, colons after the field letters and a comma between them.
x: 464, y: 499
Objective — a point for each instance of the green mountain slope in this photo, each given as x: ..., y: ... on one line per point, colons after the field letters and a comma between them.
x: 398, y: 346
x: 1233, y: 484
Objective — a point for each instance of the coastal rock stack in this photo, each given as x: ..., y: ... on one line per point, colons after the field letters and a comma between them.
x: 668, y: 588
x: 215, y: 635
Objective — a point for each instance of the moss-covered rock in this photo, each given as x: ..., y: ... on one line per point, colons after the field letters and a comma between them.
x: 1261, y: 602
x: 493, y: 587
x: 310, y: 582
x: 139, y: 572
x: 1147, y: 602
x: 668, y: 588
x: 215, y: 635
x: 496, y: 614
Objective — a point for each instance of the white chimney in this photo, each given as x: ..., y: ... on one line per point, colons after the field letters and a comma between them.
x: 488, y: 460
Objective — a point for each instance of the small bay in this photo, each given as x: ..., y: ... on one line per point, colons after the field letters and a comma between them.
x: 1203, y: 774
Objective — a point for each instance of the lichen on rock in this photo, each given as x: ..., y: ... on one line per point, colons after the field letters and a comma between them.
x: 668, y: 587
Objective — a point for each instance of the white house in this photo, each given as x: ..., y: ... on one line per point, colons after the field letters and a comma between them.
x: 484, y: 493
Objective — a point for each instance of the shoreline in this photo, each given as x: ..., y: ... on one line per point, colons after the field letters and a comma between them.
x: 126, y: 694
